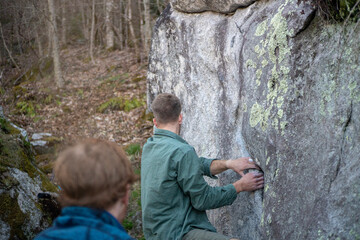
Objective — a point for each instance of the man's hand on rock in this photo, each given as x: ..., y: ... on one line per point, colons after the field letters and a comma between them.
x: 249, y: 182
x: 240, y: 164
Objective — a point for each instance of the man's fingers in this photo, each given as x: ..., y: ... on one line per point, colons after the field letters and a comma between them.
x: 253, y: 165
x: 241, y: 173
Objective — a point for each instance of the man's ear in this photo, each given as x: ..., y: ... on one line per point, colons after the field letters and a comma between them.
x: 155, y: 123
x: 125, y: 199
x: 180, y: 118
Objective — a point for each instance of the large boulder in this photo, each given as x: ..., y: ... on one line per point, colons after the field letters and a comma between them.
x: 275, y: 82
x: 197, y: 6
x: 27, y: 204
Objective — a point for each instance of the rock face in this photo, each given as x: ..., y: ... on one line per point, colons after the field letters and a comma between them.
x: 197, y: 6
x: 275, y: 82
x: 22, y: 214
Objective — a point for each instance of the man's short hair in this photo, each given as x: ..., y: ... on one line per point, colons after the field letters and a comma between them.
x: 94, y: 174
x: 166, y: 108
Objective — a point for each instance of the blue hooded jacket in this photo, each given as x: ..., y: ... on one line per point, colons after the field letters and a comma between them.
x: 82, y: 223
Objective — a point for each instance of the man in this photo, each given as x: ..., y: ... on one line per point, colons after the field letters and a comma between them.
x: 95, y: 179
x: 174, y: 193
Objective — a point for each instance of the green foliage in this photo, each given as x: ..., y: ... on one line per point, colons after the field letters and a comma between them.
x: 117, y: 79
x: 80, y: 93
x: 132, y: 104
x: 339, y: 10
x: 114, y: 78
x: 7, y: 128
x: 127, y: 224
x: 133, y: 149
x: 138, y: 79
x: 147, y: 116
x: 49, y: 99
x: 2, y: 91
x: 26, y: 108
x: 121, y: 104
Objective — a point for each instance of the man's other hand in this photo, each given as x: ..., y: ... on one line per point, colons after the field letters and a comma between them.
x: 249, y: 182
x: 240, y: 164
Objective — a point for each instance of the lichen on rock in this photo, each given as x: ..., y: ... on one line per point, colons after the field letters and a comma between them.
x: 275, y: 82
x: 21, y: 215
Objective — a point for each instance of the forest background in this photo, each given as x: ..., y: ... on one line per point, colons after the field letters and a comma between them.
x: 77, y: 69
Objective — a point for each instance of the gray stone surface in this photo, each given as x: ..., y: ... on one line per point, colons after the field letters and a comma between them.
x: 22, y: 214
x: 26, y: 192
x: 198, y: 6
x: 39, y: 136
x: 4, y: 230
x: 276, y: 83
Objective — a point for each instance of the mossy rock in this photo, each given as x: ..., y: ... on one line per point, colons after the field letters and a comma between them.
x: 22, y: 216
x: 12, y: 215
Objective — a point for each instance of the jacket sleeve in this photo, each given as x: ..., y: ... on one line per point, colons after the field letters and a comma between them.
x: 190, y: 178
x: 206, y: 163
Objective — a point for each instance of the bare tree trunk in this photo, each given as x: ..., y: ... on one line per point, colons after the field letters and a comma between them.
x: 83, y: 20
x: 38, y: 41
x: 126, y: 25
x: 63, y: 22
x: 16, y: 28
x: 147, y: 27
x: 50, y: 42
x: 7, y: 49
x: 141, y: 28
x: 37, y: 36
x: 92, y: 34
x: 55, y: 45
x: 109, y: 25
x: 159, y: 7
x: 121, y: 35
x: 131, y: 28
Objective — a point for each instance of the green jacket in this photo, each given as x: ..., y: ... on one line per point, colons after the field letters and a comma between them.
x: 174, y: 194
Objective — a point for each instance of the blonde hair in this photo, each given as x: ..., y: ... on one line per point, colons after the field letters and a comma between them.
x: 94, y: 174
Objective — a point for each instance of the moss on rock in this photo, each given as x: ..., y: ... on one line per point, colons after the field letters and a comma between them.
x: 13, y: 216
x: 20, y: 182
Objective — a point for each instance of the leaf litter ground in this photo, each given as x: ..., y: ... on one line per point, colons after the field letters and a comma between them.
x: 74, y: 112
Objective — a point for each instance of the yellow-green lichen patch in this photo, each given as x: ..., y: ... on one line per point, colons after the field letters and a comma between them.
x: 261, y: 28
x: 278, y: 47
x: 354, y: 91
x: 269, y: 219
x: 264, y: 63
x: 280, y: 101
x: 256, y: 114
x: 259, y: 115
x: 258, y: 76
x: 275, y: 123
x: 262, y: 220
x: 267, y: 160
x: 244, y: 107
x: 352, y: 86
x: 250, y: 63
x: 260, y: 50
x: 328, y: 96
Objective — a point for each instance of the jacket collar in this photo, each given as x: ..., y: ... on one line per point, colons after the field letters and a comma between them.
x: 167, y: 133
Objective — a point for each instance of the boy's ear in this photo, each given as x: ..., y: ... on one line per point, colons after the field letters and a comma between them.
x: 180, y: 118
x: 155, y: 123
